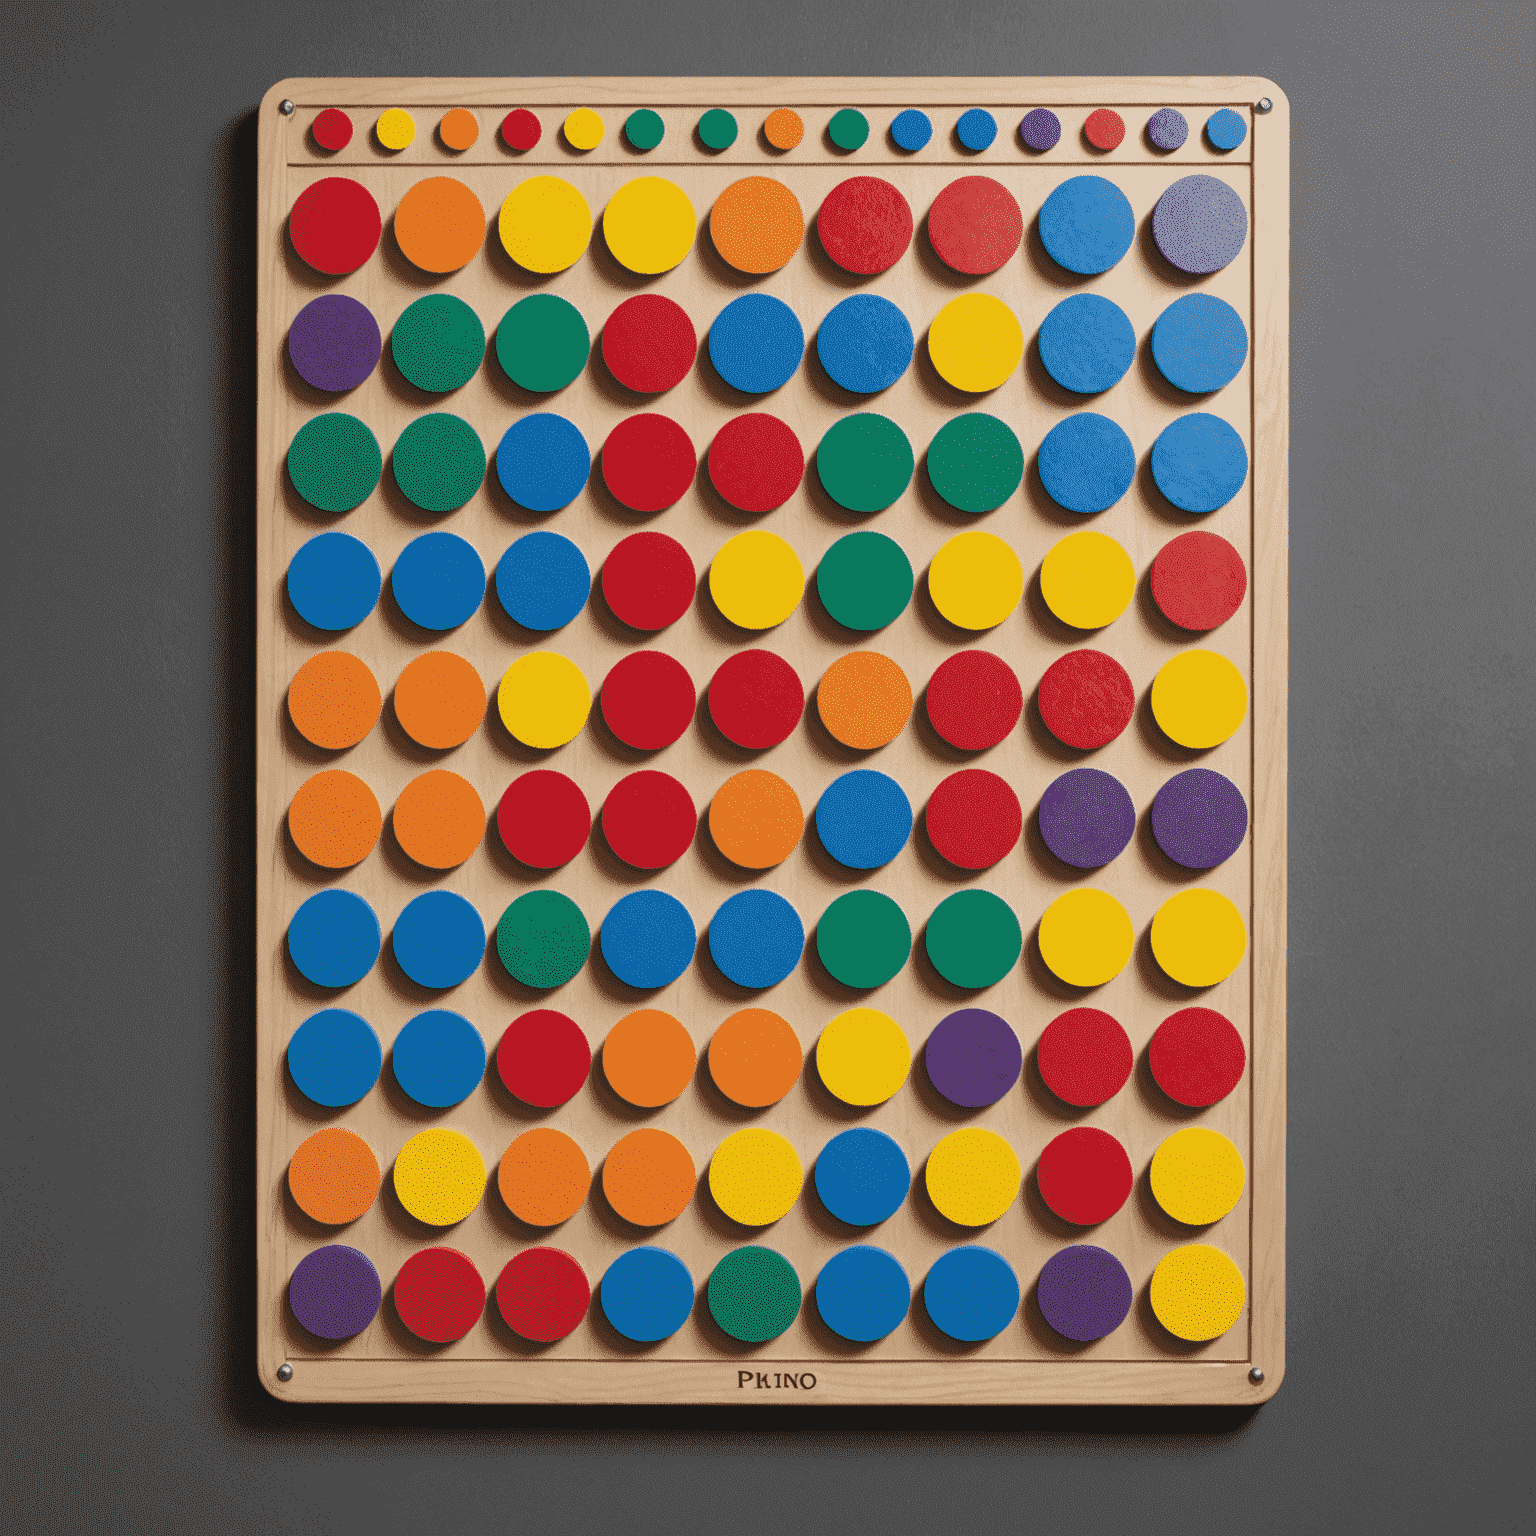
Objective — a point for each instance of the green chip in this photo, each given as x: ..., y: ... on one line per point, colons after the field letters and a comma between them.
x: 864, y: 461
x: 717, y: 129
x: 865, y: 580
x: 848, y: 128
x: 644, y: 129
x: 438, y: 343
x: 334, y: 462
x: 542, y: 343
x: 863, y: 939
x: 754, y: 1294
x: 973, y: 938
x: 438, y: 462
x: 542, y: 939
x: 975, y: 462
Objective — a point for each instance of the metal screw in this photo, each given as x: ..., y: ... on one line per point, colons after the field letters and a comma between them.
x: 285, y: 1372
x: 286, y: 108
x: 1256, y: 1376
x: 1264, y: 104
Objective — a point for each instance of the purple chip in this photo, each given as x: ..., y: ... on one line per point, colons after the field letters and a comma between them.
x: 1086, y: 817
x: 335, y: 1292
x: 1167, y: 128
x: 1040, y: 130
x: 1199, y: 224
x: 1199, y: 818
x: 973, y: 1058
x: 1084, y: 1292
x: 334, y: 342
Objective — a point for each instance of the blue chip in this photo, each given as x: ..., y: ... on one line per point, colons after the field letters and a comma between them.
x: 1225, y: 129
x: 1086, y: 463
x: 756, y: 938
x: 439, y: 939
x: 862, y: 1294
x: 862, y: 1176
x: 1086, y: 224
x: 756, y: 343
x: 864, y: 819
x: 438, y: 580
x: 334, y: 1057
x: 648, y: 939
x: 971, y: 1294
x: 976, y: 129
x: 334, y: 581
x: 647, y: 1294
x: 1087, y: 343
x: 438, y: 1058
x: 1199, y: 343
x: 910, y: 130
x: 543, y: 580
x: 1199, y: 462
x: 334, y: 938
x: 865, y: 344
x: 543, y: 462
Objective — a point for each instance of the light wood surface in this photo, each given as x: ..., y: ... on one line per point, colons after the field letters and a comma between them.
x: 1027, y: 1363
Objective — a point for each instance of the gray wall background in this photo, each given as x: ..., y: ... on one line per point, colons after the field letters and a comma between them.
x: 127, y: 376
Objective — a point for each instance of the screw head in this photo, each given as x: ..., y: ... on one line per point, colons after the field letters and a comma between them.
x: 286, y: 108
x: 1256, y: 1376
x: 1264, y: 104
x: 285, y: 1372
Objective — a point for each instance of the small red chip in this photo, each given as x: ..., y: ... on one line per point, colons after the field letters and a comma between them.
x: 647, y: 700
x: 1085, y: 1057
x: 755, y: 699
x: 649, y: 819
x: 1086, y: 699
x: 1197, y: 1056
x: 439, y: 1295
x: 648, y: 462
x: 543, y: 1058
x: 520, y: 129
x: 543, y: 819
x: 648, y: 580
x: 756, y: 462
x: 649, y: 343
x: 974, y: 818
x: 543, y: 1294
x: 1198, y: 580
x: 1104, y: 129
x: 1084, y: 1175
x: 332, y: 129
x: 974, y: 700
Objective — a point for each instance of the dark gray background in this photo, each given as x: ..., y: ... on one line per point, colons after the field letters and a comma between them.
x: 129, y: 167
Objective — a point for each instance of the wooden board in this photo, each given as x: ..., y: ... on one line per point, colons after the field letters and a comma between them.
x: 1027, y: 1363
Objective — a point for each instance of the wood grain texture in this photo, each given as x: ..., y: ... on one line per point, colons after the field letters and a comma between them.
x: 1026, y: 1364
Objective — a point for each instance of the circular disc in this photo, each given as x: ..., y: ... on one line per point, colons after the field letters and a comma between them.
x: 644, y: 129
x: 335, y: 225
x: 648, y: 700
x: 334, y: 819
x: 542, y: 581
x: 975, y: 462
x: 543, y: 1294
x: 334, y: 1057
x: 1200, y: 224
x: 862, y: 1176
x: 542, y: 343
x: 334, y: 462
x: 438, y: 462
x: 973, y: 818
x: 1199, y: 698
x: 333, y: 1176
x: 973, y: 1058
x: 864, y: 461
x: 439, y: 1176
x: 975, y: 223
x: 439, y: 819
x: 973, y: 939
x: 756, y: 819
x: 395, y: 129
x: 1087, y: 580
x: 1086, y: 462
x: 543, y: 699
x: 543, y: 462
x: 332, y: 129
x: 438, y: 581
x: 543, y: 1058
x: 1086, y: 699
x: 648, y: 462
x: 1199, y: 937
x: 543, y: 818
x: 757, y: 224
x: 1086, y: 225
x: 865, y: 343
x: 862, y: 1294
x: 646, y: 1294
x: 976, y: 580
x: 1087, y: 344
x: 545, y: 224
x: 756, y: 462
x: 334, y: 938
x: 439, y: 224
x: 1086, y: 937
x: 754, y: 1294
x: 864, y: 819
x: 648, y: 1177
x: 1197, y: 1176
x: 717, y: 130
x: 1085, y: 1057
x: 439, y: 1294
x: 1197, y: 1292
x: 648, y: 939
x: 755, y: 699
x: 971, y: 1294
x: 544, y: 1177
x: 755, y: 1058
x: 848, y: 129
x: 974, y: 700
x: 755, y: 1176
x: 458, y: 129
x: 756, y: 343
x: 865, y: 581
x: 864, y: 224
x: 1198, y: 580
x: 911, y: 130
x: 1084, y: 1292
x: 334, y: 1292
x: 438, y: 343
x: 1040, y: 130
x: 864, y: 700
x: 648, y: 580
x: 1199, y: 818
x: 976, y: 130
x: 1086, y: 817
x: 583, y: 129
x: 973, y: 1176
x: 756, y: 579
x: 649, y: 343
x: 1105, y: 129
x: 438, y: 939
x: 1084, y: 1175
x: 521, y: 130
x: 783, y: 128
x: 863, y: 1057
x: 863, y: 939
x: 1167, y: 129
x: 649, y: 225
x: 1225, y: 130
x: 542, y: 939
x: 648, y: 1058
x: 334, y: 342
x: 1199, y: 343
x: 756, y: 938
x: 975, y: 342
x: 1196, y: 1056
x: 1199, y: 462
x: 649, y: 819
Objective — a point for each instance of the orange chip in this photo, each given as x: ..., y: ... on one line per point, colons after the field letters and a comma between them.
x: 334, y: 1176
x: 648, y: 1177
x: 864, y: 699
x: 458, y: 129
x: 648, y: 1058
x: 334, y: 700
x: 755, y: 1058
x: 544, y: 1177
x: 439, y: 224
x: 756, y: 819
x: 440, y: 700
x: 334, y: 819
x: 784, y: 128
x: 757, y: 224
x: 439, y: 819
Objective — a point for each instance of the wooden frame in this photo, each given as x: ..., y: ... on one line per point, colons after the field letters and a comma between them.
x: 385, y: 1364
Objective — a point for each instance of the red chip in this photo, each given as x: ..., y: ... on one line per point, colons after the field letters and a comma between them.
x: 1198, y: 580
x: 543, y: 1058
x: 543, y: 819
x: 1086, y: 699
x: 975, y: 224
x: 974, y: 700
x: 649, y: 819
x: 439, y: 1295
x: 520, y: 129
x: 647, y: 700
x: 1085, y: 1057
x: 649, y: 343
x: 756, y: 462
x: 1104, y: 129
x: 974, y: 818
x: 648, y: 462
x: 648, y: 580
x: 332, y: 129
x: 543, y: 1294
x: 335, y: 225
x: 1084, y: 1176
x: 755, y: 699
x: 1197, y: 1056
x: 865, y: 224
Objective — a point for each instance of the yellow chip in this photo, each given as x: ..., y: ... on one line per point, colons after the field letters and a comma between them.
x: 1087, y: 580
x: 1197, y: 1176
x: 756, y: 579
x: 583, y: 129
x: 755, y: 1176
x: 543, y: 699
x: 973, y: 1176
x: 396, y: 128
x: 1197, y: 1292
x: 975, y: 342
x: 1199, y: 937
x: 544, y: 224
x: 1199, y: 698
x: 1086, y: 937
x: 649, y: 224
x: 863, y: 1057
x: 976, y: 580
x: 439, y: 1176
